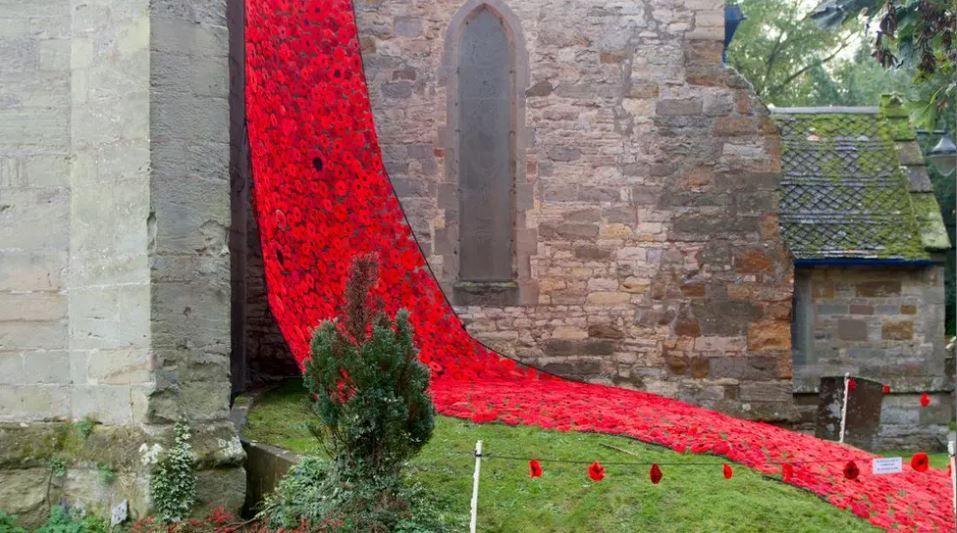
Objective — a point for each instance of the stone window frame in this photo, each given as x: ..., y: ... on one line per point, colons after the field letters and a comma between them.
x: 803, y: 319
x: 522, y: 290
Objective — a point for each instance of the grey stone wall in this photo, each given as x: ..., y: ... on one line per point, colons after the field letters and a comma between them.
x: 885, y: 324
x: 645, y: 193
x: 35, y: 179
x: 114, y: 268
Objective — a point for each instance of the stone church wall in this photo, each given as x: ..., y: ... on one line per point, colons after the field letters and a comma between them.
x: 647, y: 251
x: 114, y: 266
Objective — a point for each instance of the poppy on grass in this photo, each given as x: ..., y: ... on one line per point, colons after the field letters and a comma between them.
x: 655, y: 474
x: 596, y: 472
x: 534, y: 469
x: 728, y: 472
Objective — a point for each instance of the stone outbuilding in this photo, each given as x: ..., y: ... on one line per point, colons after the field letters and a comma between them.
x: 859, y: 215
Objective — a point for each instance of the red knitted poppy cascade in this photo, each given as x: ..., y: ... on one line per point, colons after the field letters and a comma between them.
x: 322, y: 196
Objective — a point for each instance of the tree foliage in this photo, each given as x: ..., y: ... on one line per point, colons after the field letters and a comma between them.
x: 914, y: 35
x: 784, y: 54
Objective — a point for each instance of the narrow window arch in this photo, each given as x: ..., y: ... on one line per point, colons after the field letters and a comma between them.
x: 486, y: 139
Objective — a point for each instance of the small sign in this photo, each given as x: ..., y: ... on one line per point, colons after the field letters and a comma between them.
x: 887, y: 465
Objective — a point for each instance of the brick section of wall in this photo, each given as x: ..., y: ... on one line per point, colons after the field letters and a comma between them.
x: 884, y: 324
x: 653, y: 169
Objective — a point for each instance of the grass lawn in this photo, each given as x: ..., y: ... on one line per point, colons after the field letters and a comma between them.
x: 689, y: 498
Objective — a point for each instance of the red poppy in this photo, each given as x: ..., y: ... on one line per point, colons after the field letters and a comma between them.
x: 851, y: 385
x: 728, y: 472
x: 787, y: 472
x: 655, y: 474
x: 596, y: 472
x: 851, y: 471
x: 920, y: 462
x: 534, y: 469
x: 924, y: 400
x: 887, y: 389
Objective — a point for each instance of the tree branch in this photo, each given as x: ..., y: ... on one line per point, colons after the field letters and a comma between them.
x: 809, y: 66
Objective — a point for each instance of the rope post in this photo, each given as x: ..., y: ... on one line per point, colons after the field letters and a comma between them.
x: 847, y: 380
x: 475, y: 486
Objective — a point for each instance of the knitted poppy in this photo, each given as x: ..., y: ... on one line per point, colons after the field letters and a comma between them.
x: 924, y: 400
x: 851, y: 471
x: 887, y: 389
x: 655, y: 474
x: 534, y: 469
x: 787, y: 472
x: 920, y: 462
x: 728, y: 472
x: 596, y: 472
x: 851, y: 385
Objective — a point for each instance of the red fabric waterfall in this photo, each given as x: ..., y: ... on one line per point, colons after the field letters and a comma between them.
x: 322, y: 196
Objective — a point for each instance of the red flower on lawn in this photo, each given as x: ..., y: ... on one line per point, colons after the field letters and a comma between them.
x: 655, y: 474
x: 920, y: 462
x: 596, y: 472
x: 851, y: 471
x: 924, y: 400
x: 728, y: 472
x: 534, y: 469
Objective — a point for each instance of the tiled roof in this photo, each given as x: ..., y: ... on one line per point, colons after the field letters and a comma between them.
x: 852, y: 187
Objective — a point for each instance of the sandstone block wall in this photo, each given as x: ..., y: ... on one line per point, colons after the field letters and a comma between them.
x: 114, y: 265
x: 880, y: 323
x: 648, y: 252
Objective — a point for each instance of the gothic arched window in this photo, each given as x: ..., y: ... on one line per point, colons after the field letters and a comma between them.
x: 486, y: 134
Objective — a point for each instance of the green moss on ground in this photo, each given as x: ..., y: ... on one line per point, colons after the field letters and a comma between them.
x: 690, y: 498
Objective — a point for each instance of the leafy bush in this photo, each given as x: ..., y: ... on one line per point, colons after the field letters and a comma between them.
x: 311, y: 496
x: 173, y: 480
x: 370, y: 395
x: 8, y: 524
x: 64, y: 520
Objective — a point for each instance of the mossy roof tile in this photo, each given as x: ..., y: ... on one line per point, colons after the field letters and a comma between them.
x: 844, y: 194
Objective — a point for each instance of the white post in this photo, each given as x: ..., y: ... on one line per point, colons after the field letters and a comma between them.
x: 475, y: 484
x: 952, y: 448
x: 847, y: 377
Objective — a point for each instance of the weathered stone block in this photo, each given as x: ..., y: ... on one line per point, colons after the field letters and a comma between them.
x: 897, y: 330
x: 852, y: 330
x: 878, y: 288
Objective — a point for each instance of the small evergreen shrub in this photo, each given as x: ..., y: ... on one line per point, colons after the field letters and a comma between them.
x: 173, y: 479
x: 368, y: 384
x: 374, y: 414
